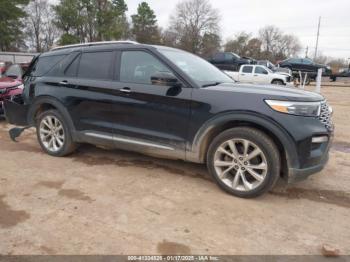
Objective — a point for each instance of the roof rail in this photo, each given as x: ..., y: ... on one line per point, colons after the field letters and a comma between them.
x: 95, y: 44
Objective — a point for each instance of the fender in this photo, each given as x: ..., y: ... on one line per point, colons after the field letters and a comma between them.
x: 54, y: 102
x: 194, y: 153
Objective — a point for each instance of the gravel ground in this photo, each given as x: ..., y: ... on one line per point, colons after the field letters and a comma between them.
x: 113, y: 202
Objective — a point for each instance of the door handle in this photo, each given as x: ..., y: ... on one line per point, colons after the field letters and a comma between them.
x: 125, y: 90
x: 255, y: 75
x: 242, y: 74
x: 63, y: 83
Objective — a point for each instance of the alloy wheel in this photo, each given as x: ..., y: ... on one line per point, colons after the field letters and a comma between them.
x: 52, y: 133
x: 240, y: 164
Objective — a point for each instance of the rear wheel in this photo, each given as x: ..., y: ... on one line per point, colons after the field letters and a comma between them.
x: 53, y: 134
x: 244, y: 162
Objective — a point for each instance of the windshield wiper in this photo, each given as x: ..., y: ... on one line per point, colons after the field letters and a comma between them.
x: 212, y: 84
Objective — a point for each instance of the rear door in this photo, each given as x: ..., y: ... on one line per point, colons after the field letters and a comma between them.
x: 88, y: 86
x: 145, y: 113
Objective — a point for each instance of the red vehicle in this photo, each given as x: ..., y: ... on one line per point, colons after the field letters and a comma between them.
x: 11, y: 86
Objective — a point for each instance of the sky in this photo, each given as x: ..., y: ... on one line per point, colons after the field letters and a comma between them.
x: 299, y: 17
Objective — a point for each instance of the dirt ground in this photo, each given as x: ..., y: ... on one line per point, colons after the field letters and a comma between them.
x: 113, y: 202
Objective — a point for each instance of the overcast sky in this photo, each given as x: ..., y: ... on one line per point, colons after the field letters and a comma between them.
x: 299, y: 17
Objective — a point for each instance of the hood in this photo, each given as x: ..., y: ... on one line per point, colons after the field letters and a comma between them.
x: 270, y: 92
x: 279, y: 73
x: 6, y: 82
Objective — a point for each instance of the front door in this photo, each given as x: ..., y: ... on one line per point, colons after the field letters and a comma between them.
x: 146, y: 113
x: 261, y: 75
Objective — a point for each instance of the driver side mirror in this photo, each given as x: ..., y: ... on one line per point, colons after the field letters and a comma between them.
x: 165, y: 79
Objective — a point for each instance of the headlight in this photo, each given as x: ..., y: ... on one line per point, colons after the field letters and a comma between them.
x: 296, y: 108
x: 20, y: 86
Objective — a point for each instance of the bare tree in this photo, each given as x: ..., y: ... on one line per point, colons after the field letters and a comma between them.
x: 276, y: 45
x: 238, y: 44
x: 191, y: 21
x: 41, y: 29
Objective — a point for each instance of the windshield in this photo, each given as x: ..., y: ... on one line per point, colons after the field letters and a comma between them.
x: 199, y: 70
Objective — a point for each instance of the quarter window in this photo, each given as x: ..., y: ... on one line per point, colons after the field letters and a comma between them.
x: 95, y: 65
x: 139, y: 66
x: 45, y: 63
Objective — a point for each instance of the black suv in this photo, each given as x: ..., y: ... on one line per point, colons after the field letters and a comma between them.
x: 229, y: 61
x: 169, y: 103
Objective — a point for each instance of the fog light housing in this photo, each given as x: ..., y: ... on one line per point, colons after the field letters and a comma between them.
x: 319, y: 139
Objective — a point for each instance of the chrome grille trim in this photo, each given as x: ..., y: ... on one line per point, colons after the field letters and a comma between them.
x: 326, y: 115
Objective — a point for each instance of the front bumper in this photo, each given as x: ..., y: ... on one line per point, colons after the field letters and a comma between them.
x: 317, y: 161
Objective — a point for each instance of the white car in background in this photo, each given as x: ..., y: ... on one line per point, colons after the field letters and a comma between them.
x: 258, y: 74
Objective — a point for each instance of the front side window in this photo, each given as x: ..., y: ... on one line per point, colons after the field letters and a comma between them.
x: 139, y: 66
x: 228, y: 57
x: 247, y: 69
x: 95, y: 65
x: 260, y: 70
x: 199, y: 70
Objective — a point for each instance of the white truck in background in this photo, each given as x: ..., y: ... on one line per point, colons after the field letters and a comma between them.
x: 258, y: 74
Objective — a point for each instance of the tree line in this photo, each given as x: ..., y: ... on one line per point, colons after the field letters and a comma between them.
x: 194, y: 26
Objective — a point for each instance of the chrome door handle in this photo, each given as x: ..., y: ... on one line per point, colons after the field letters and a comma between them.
x: 125, y: 90
x: 64, y: 83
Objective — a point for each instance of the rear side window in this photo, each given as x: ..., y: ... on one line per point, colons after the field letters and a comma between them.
x: 45, y: 64
x: 219, y: 57
x: 95, y: 65
x: 247, y: 69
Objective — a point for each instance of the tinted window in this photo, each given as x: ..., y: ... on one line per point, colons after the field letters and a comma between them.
x: 45, y: 63
x: 247, y: 69
x: 260, y: 70
x: 307, y: 61
x: 95, y: 65
x: 219, y: 57
x: 228, y: 57
x: 139, y: 66
x: 72, y: 69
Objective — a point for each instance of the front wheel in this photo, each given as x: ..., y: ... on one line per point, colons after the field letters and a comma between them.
x: 277, y: 82
x: 53, y: 134
x: 244, y: 162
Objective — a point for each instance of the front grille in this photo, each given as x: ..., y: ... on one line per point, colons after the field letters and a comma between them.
x: 326, y: 115
x: 288, y: 78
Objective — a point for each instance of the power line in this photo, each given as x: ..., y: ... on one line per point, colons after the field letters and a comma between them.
x: 318, y: 34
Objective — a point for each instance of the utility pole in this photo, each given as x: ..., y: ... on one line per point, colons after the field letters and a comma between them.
x: 306, y: 51
x: 318, y: 34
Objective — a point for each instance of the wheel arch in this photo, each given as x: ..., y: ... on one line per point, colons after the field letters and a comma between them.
x: 218, y: 124
x: 277, y: 79
x: 44, y: 103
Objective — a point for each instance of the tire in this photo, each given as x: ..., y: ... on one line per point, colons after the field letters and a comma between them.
x: 266, y: 164
x: 53, y: 134
x: 277, y: 82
